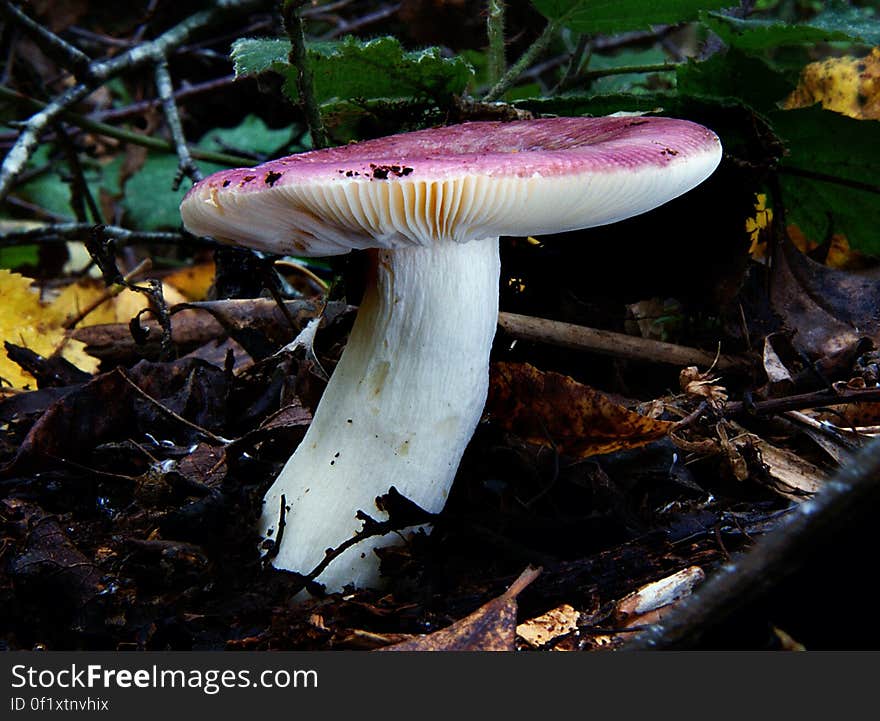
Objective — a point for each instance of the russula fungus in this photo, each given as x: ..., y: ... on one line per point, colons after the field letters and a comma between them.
x: 410, y: 386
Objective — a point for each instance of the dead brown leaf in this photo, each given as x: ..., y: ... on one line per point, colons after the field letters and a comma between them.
x: 828, y: 311
x: 492, y: 627
x: 554, y: 410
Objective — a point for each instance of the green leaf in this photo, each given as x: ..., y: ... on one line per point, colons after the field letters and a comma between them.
x: 252, y: 135
x: 614, y: 16
x: 848, y: 25
x: 19, y: 255
x: 734, y: 74
x: 829, y: 176
x: 149, y: 202
x: 351, y: 68
x: 47, y: 190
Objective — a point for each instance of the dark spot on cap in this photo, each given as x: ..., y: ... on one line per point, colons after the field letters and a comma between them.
x: 248, y: 178
x: 405, y: 171
x: 635, y: 123
x: 668, y: 151
x: 226, y: 183
x: 272, y: 178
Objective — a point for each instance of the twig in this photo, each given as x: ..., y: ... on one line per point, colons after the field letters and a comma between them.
x: 100, y: 72
x: 804, y: 400
x: 497, y: 63
x: 126, y: 136
x: 826, y: 178
x: 63, y: 53
x: 348, y: 26
x: 851, y: 494
x: 591, y: 75
x: 185, y: 164
x: 80, y: 193
x: 305, y: 84
x: 183, y: 93
x: 577, y: 61
x: 171, y: 414
x: 534, y: 51
x: 61, y: 232
x: 111, y: 292
x: 610, y: 343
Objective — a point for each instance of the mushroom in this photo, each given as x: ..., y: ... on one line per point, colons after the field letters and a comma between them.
x: 410, y: 386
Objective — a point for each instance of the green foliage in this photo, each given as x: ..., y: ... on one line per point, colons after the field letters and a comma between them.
x: 48, y: 190
x: 351, y: 68
x: 149, y: 201
x: 829, y: 175
x: 626, y: 82
x: 848, y: 25
x: 613, y: 16
x: 252, y: 135
x: 735, y: 74
x: 17, y: 256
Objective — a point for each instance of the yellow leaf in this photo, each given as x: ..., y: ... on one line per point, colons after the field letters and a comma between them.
x: 194, y: 282
x: 846, y: 85
x: 28, y: 322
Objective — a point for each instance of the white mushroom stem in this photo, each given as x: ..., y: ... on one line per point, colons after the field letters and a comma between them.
x: 398, y: 411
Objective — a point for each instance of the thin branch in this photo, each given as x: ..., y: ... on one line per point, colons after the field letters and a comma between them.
x: 495, y: 31
x: 185, y: 164
x: 57, y: 49
x: 101, y: 71
x: 61, y: 232
x: 27, y: 141
x: 80, y: 193
x: 803, y: 401
x: 579, y: 56
x: 204, y: 432
x: 535, y: 51
x: 125, y: 136
x: 349, y: 26
x: 591, y: 75
x: 305, y: 85
x: 143, y: 106
x: 614, y: 344
x: 826, y: 178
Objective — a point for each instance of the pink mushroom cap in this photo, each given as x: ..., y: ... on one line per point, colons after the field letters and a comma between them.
x: 461, y: 182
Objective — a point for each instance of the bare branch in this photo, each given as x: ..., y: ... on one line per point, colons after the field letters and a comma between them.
x: 185, y: 164
x: 101, y: 71
x: 55, y: 48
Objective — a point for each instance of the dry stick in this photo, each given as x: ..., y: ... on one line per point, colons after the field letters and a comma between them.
x: 126, y: 136
x: 350, y: 26
x: 80, y: 193
x: 62, y: 232
x: 101, y: 71
x: 305, y: 84
x: 171, y: 414
x: 185, y: 164
x: 143, y: 106
x: 495, y: 31
x: 851, y: 494
x: 805, y: 400
x: 606, y: 342
x: 62, y: 52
